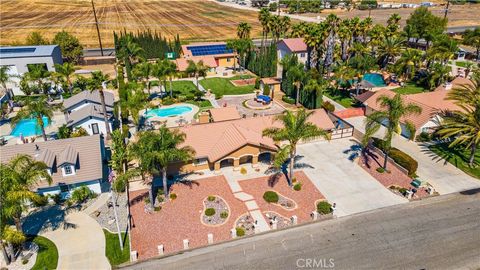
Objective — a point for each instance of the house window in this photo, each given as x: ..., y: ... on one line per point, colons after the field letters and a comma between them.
x: 228, y: 59
x: 68, y: 170
x: 95, y: 129
x: 200, y: 161
x: 302, y: 55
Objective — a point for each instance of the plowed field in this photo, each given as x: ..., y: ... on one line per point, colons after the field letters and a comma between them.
x: 191, y: 19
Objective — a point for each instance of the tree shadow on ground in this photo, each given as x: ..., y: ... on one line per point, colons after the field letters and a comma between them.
x: 276, y: 173
x: 47, y: 218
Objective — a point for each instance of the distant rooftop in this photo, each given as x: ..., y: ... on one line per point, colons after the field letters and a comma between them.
x: 204, y: 49
x: 27, y: 51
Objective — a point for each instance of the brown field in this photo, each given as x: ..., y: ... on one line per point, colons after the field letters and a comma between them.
x: 459, y: 15
x: 191, y: 19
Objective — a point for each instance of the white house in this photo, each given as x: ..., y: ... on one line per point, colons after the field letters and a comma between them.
x: 71, y: 162
x: 90, y: 118
x: 85, y: 98
x: 289, y: 46
x: 18, y: 59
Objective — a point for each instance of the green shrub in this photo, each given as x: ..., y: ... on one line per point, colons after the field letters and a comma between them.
x: 270, y: 197
x: 173, y: 196
x: 380, y: 170
x: 257, y: 83
x: 209, y: 212
x: 56, y: 198
x: 402, y: 190
x: 243, y: 170
x: 297, y: 186
x: 168, y: 101
x: 266, y: 90
x: 329, y: 107
x: 81, y: 194
x: 224, y: 214
x: 405, y: 161
x: 160, y: 197
x: 288, y: 99
x: 240, y: 231
x: 157, y: 208
x: 324, y: 208
x: 424, y: 137
x: 211, y: 198
x: 24, y: 261
x: 40, y: 200
x: 146, y: 200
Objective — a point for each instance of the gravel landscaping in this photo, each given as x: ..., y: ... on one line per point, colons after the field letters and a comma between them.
x: 285, y: 202
x: 247, y: 223
x: 220, y: 206
x: 106, y: 217
x: 271, y: 217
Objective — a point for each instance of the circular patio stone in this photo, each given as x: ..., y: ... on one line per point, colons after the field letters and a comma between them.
x: 252, y: 104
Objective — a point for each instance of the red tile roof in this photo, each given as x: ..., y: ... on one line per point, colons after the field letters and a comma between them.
x: 182, y: 63
x: 224, y: 114
x: 295, y: 44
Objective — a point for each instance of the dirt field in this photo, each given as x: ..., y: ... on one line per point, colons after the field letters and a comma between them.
x: 459, y: 15
x: 191, y: 19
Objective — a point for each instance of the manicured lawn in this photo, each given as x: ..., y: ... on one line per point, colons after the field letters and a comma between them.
x: 410, y: 88
x: 340, y: 96
x: 203, y: 104
x: 223, y: 86
x: 458, y: 157
x: 112, y: 250
x: 182, y: 88
x: 47, y: 257
x: 461, y: 63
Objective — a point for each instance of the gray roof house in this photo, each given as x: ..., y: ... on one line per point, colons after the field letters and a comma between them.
x: 86, y: 97
x: 71, y: 162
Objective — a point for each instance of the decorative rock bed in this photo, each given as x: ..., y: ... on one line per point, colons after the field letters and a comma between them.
x: 247, y: 223
x: 106, y: 217
x: 219, y: 206
x: 271, y: 217
x: 286, y: 203
x: 28, y: 256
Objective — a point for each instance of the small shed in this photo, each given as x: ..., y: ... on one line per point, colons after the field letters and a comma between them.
x: 273, y: 84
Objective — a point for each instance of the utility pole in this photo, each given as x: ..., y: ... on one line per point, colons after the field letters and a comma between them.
x: 98, y: 30
x: 446, y: 9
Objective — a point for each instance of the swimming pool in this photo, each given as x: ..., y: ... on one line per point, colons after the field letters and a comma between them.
x: 168, y: 112
x: 28, y: 127
x: 375, y: 79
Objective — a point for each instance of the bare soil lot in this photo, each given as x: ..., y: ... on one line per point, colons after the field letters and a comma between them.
x: 191, y: 19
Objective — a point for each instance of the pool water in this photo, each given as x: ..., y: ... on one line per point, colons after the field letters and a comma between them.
x: 28, y: 127
x: 375, y: 79
x: 168, y: 112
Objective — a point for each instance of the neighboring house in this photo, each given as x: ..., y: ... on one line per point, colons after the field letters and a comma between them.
x: 236, y: 142
x: 18, y: 58
x: 71, y: 162
x: 85, y: 98
x: 223, y: 56
x: 466, y: 53
x: 289, y: 46
x: 209, y: 61
x: 274, y: 85
x: 90, y: 118
x: 224, y: 114
x: 431, y: 103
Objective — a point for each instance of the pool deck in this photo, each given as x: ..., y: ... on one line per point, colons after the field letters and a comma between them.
x: 175, y: 121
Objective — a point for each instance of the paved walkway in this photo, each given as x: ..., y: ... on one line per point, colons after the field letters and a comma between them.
x: 341, y: 181
x: 444, y: 177
x: 79, y: 238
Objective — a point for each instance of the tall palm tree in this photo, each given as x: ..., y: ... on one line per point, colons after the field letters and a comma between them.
x: 332, y: 22
x: 264, y: 17
x: 143, y: 71
x: 298, y: 30
x: 313, y: 86
x: 393, y: 24
x: 295, y: 128
x: 243, y: 30
x: 4, y: 78
x: 38, y: 73
x: 344, y: 74
x: 296, y: 74
x: 137, y: 101
x: 157, y: 150
x: 390, y: 48
x: 409, y: 62
x: 196, y: 70
x: 437, y: 75
x: 344, y: 34
x: 171, y: 72
x: 95, y: 83
x: 393, y: 109
x: 66, y: 71
x: 128, y: 53
x: 464, y: 125
x: 37, y: 109
x: 19, y: 176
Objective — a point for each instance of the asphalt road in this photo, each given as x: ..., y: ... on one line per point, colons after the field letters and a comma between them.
x: 438, y: 233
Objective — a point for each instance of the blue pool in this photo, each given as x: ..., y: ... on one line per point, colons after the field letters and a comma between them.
x: 168, y: 112
x: 375, y: 79
x: 28, y: 127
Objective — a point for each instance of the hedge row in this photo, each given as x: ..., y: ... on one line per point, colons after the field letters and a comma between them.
x: 400, y: 157
x: 288, y: 99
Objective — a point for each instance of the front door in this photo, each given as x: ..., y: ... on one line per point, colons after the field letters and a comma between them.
x: 95, y: 128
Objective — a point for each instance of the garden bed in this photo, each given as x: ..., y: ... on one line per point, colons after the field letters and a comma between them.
x: 218, y: 215
x: 282, y: 222
x: 286, y: 203
x: 243, y: 82
x: 247, y: 223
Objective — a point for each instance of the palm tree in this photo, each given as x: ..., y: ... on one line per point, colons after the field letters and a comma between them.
x: 170, y: 72
x: 19, y: 176
x: 295, y: 128
x: 298, y: 30
x: 136, y: 101
x: 472, y: 38
x: 143, y: 71
x: 243, y: 30
x: 393, y: 109
x: 197, y: 70
x: 437, y: 75
x: 409, y: 62
x: 332, y: 22
x: 129, y: 52
x: 313, y: 86
x: 393, y: 24
x: 464, y: 125
x: 95, y: 83
x: 4, y: 78
x: 296, y: 74
x: 264, y: 18
x: 157, y: 150
x: 37, y: 109
x: 390, y: 48
x: 66, y: 71
x: 344, y: 74
x: 344, y: 34
x: 38, y: 73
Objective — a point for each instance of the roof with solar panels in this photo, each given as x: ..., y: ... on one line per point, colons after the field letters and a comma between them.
x: 215, y: 49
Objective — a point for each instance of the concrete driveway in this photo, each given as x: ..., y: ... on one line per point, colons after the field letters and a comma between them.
x: 444, y: 177
x: 342, y: 181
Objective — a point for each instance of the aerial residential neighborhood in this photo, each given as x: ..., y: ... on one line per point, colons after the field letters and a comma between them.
x: 229, y: 134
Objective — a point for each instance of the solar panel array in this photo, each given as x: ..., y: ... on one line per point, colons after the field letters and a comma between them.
x: 17, y: 50
x: 209, y: 49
